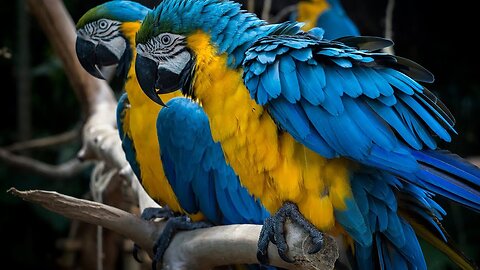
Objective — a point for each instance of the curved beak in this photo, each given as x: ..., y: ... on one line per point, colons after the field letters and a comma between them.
x: 86, y: 51
x: 147, y: 75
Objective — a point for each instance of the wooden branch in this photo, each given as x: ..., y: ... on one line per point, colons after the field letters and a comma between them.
x: 45, y: 142
x: 389, y: 24
x: 199, y: 249
x: 251, y: 6
x: 282, y: 14
x: 474, y: 160
x: 63, y: 171
x: 267, y: 6
x: 60, y: 30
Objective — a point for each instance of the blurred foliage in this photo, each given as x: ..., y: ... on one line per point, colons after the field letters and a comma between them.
x: 434, y: 34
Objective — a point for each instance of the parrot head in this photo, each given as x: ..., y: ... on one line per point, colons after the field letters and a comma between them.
x: 101, y: 37
x: 164, y: 64
x: 166, y: 59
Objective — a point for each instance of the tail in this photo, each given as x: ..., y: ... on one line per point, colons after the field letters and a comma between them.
x: 441, y: 242
x: 449, y: 175
x: 418, y: 208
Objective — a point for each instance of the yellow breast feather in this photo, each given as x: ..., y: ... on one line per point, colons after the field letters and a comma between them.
x: 272, y: 165
x: 142, y: 117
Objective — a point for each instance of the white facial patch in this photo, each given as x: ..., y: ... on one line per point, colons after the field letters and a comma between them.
x: 177, y: 63
x: 117, y: 46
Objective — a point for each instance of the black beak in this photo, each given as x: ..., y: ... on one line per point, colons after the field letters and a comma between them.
x: 147, y: 75
x: 86, y: 51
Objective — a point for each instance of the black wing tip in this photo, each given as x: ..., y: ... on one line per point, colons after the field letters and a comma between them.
x: 369, y: 43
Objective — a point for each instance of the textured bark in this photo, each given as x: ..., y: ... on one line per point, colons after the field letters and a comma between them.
x: 198, y: 249
x: 65, y: 170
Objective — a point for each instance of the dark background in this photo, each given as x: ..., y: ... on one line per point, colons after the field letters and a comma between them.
x: 438, y: 36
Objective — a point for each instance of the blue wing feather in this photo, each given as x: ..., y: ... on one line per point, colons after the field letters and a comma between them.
x: 127, y: 142
x: 197, y: 170
x: 370, y: 111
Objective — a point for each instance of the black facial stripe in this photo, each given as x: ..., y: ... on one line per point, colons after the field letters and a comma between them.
x: 165, y: 57
x: 173, y: 46
x: 111, y: 37
x: 93, y: 29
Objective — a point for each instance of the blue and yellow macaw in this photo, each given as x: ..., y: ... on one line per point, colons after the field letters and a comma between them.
x: 327, y: 14
x: 334, y: 134
x: 180, y: 167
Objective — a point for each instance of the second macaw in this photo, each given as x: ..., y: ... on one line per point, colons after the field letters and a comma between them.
x: 327, y: 14
x: 182, y: 168
x: 334, y: 134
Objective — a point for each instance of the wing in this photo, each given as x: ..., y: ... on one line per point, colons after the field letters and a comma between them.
x: 341, y: 101
x: 196, y: 168
x: 123, y: 130
x: 356, y: 102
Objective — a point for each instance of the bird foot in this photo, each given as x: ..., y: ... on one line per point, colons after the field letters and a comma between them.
x: 273, y: 231
x: 171, y: 227
x: 151, y: 213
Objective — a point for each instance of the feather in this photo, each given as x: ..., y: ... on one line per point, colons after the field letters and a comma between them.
x: 367, y: 43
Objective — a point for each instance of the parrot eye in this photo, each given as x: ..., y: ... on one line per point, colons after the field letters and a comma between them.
x: 102, y: 24
x: 166, y: 40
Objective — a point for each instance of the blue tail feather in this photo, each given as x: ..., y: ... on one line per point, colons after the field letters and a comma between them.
x: 449, y: 175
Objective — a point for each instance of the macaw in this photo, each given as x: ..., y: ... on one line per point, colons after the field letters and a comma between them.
x: 182, y: 168
x: 327, y: 14
x: 334, y: 134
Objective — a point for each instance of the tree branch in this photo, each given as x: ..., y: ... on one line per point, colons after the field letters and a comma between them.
x: 389, y: 24
x: 60, y: 30
x: 49, y: 141
x: 282, y: 14
x: 199, y: 249
x: 251, y: 6
x: 267, y: 6
x: 474, y: 160
x: 63, y: 171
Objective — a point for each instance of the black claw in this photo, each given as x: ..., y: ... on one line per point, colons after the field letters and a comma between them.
x: 273, y: 231
x: 136, y: 249
x: 262, y: 247
x: 317, y: 243
x: 171, y: 227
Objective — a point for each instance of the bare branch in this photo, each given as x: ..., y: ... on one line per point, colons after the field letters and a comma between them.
x: 475, y: 160
x: 267, y: 6
x: 45, y: 142
x: 251, y: 6
x: 60, y: 30
x: 63, y: 171
x: 199, y: 249
x: 389, y: 24
x: 283, y: 13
